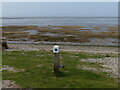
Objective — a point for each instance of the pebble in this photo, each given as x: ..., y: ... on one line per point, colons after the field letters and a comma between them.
x: 110, y: 65
x: 9, y: 84
x: 42, y: 47
x: 9, y: 68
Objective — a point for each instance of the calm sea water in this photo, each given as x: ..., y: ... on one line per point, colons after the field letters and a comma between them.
x: 66, y: 21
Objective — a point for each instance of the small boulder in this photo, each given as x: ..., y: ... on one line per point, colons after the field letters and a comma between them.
x: 4, y: 45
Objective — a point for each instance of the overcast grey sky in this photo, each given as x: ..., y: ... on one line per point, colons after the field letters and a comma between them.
x: 60, y: 9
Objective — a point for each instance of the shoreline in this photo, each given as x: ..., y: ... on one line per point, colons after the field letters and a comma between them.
x: 59, y: 43
x: 68, y: 48
x: 93, y: 42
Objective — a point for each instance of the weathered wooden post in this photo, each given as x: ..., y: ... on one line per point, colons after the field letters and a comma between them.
x: 56, y: 58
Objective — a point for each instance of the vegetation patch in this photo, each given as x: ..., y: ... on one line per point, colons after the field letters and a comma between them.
x: 39, y: 73
x: 17, y: 27
x: 63, y: 32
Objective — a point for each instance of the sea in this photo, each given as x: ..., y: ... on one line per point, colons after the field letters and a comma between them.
x: 61, y: 21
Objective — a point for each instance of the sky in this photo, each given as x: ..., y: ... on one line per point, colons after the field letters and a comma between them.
x: 59, y: 9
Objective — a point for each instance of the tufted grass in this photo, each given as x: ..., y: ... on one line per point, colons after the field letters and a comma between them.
x: 39, y: 73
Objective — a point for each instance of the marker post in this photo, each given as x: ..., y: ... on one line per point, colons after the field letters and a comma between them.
x: 56, y: 58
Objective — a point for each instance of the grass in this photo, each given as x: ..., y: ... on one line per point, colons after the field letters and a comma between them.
x: 39, y: 73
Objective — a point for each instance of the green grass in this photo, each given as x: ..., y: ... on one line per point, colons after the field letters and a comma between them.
x: 39, y: 70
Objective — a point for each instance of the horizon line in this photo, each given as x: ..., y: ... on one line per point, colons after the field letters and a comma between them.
x: 59, y: 17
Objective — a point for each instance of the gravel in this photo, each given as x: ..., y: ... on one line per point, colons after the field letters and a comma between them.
x: 12, y: 69
x: 9, y: 84
x: 110, y: 65
x: 38, y: 47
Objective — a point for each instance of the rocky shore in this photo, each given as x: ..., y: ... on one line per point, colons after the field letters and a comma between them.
x: 76, y: 48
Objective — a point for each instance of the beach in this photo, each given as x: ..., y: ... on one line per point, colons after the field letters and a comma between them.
x: 69, y: 48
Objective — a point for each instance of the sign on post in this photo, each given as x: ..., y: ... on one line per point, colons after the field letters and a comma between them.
x: 56, y: 58
x: 56, y: 49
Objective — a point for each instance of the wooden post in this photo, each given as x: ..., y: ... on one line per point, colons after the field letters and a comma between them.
x: 56, y: 62
x: 56, y: 58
